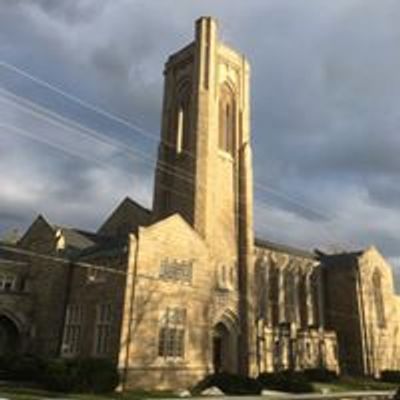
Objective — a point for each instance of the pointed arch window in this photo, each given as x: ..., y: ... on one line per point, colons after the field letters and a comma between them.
x: 182, y: 128
x: 290, y: 296
x: 181, y: 119
x: 226, y: 120
x: 179, y: 134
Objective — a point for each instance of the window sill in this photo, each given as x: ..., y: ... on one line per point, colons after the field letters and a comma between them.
x: 167, y: 361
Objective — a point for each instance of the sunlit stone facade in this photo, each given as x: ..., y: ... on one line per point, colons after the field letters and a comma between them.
x: 184, y: 290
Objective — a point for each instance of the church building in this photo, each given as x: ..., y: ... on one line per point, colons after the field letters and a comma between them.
x: 183, y: 290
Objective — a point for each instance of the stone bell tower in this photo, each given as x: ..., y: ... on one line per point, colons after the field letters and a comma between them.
x: 204, y: 168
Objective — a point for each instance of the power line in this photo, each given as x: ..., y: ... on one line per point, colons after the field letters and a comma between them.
x: 64, y: 122
x: 77, y: 100
x: 91, y: 267
x: 139, y: 129
x: 17, y: 130
x: 38, y: 111
x: 88, y: 157
x: 64, y: 261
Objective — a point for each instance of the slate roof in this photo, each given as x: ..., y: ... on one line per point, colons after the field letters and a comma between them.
x: 75, y: 238
x: 282, y: 248
x: 339, y: 258
x: 110, y: 246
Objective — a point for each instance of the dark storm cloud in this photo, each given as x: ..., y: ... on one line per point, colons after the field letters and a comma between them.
x: 325, y: 101
x: 71, y: 12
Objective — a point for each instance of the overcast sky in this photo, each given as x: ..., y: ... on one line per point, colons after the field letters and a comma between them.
x: 325, y: 111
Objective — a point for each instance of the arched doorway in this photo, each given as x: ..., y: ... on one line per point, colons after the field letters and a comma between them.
x: 9, y: 336
x: 225, y: 348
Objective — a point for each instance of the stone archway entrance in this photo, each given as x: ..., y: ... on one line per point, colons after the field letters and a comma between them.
x: 9, y: 336
x: 225, y: 348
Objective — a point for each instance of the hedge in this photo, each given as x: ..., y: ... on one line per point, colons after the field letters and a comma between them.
x: 63, y: 375
x: 81, y: 375
x: 392, y: 376
x: 320, y: 375
x: 21, y: 368
x: 286, y: 381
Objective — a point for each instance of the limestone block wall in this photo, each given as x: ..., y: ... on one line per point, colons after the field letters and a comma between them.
x: 46, y: 283
x: 92, y: 289
x: 367, y: 317
x: 16, y: 304
x: 172, y: 270
x: 380, y: 311
x: 46, y: 286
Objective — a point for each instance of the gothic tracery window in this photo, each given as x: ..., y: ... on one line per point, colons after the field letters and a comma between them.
x: 290, y: 296
x: 274, y: 295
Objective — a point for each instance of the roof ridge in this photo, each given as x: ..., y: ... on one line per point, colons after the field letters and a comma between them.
x: 284, y: 248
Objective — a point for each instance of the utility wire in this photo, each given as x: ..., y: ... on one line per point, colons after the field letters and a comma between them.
x: 273, y: 303
x: 141, y: 130
x: 61, y: 260
x: 180, y: 194
x: 50, y: 116
x: 98, y: 137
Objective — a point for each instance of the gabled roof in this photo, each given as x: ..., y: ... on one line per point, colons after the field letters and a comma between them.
x: 125, y: 218
x: 73, y: 238
x: 110, y: 246
x: 39, y: 223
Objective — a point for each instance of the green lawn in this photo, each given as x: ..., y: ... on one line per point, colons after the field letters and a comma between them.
x: 36, y: 394
x: 346, y: 384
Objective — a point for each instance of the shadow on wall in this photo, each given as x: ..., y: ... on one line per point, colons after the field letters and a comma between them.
x: 9, y: 337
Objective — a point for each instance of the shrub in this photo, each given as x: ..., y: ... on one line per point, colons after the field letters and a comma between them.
x: 320, y: 375
x: 60, y: 375
x: 21, y: 368
x: 390, y: 376
x: 97, y: 375
x: 230, y: 384
x: 286, y: 381
x: 81, y: 375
